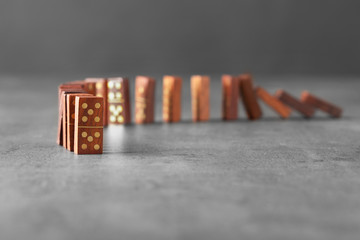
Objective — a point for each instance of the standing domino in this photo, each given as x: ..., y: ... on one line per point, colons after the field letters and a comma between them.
x: 101, y: 90
x: 172, y: 98
x: 230, y: 97
x: 70, y: 118
x: 200, y: 94
x: 144, y: 99
x: 88, y: 137
x: 119, y: 101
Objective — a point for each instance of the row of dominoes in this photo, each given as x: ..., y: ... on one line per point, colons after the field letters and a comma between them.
x: 85, y: 107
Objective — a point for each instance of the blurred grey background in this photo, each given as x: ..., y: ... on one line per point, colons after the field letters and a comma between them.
x: 179, y: 37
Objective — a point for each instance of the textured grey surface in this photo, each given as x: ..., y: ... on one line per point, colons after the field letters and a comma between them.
x: 269, y: 179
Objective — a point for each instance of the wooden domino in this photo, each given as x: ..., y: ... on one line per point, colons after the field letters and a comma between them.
x: 118, y: 101
x: 172, y: 98
x: 69, y: 87
x: 248, y: 97
x: 64, y: 119
x: 65, y: 116
x: 88, y: 133
x: 70, y: 118
x: 230, y: 97
x: 144, y: 99
x: 294, y: 103
x: 283, y: 110
x: 90, y: 87
x: 85, y: 107
x: 101, y: 90
x: 321, y: 104
x: 76, y: 82
x: 63, y: 89
x: 200, y: 93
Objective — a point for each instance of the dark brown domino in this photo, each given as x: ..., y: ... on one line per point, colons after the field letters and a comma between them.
x: 294, y: 103
x: 64, y: 119
x: 283, y: 110
x: 65, y: 113
x: 172, y: 98
x: 90, y: 87
x: 144, y: 99
x: 101, y: 90
x: 200, y: 98
x: 248, y: 97
x: 119, y: 101
x: 321, y: 104
x: 88, y: 133
x: 76, y: 82
x: 70, y: 118
x: 69, y: 88
x: 230, y: 86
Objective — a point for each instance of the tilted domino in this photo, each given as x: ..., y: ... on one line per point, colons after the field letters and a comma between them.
x: 283, y: 110
x: 248, y: 97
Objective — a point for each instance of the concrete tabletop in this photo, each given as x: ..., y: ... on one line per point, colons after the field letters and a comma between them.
x: 268, y: 179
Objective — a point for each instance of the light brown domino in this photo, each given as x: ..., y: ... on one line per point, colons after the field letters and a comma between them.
x: 144, y: 99
x: 200, y: 98
x: 230, y: 96
x: 283, y: 110
x: 172, y: 98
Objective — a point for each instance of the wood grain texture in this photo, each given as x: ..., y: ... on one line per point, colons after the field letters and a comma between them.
x: 303, y: 108
x: 248, y: 97
x: 321, y: 104
x: 144, y: 99
x: 283, y: 110
x: 70, y: 118
x: 101, y: 90
x: 88, y: 134
x: 119, y: 111
x: 200, y: 94
x: 230, y: 97
x: 172, y: 98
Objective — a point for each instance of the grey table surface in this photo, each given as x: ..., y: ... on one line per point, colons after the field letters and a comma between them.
x: 268, y: 179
